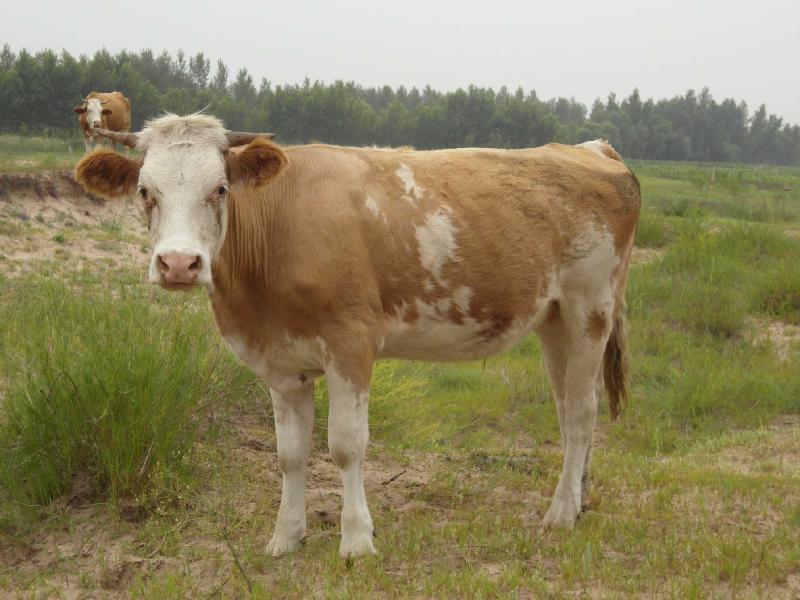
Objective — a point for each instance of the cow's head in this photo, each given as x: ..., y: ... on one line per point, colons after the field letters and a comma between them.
x: 183, y: 180
x: 94, y: 110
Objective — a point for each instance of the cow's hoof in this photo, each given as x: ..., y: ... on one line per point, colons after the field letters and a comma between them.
x: 357, y: 534
x: 563, y: 512
x: 357, y: 540
x: 283, y: 544
x: 356, y: 545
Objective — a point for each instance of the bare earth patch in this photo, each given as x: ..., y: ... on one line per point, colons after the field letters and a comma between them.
x: 782, y: 336
x: 48, y: 218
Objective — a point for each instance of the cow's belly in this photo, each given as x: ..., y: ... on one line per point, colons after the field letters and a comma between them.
x: 284, y: 366
x: 435, y: 336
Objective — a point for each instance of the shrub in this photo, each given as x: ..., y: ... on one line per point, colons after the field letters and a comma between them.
x: 101, y: 382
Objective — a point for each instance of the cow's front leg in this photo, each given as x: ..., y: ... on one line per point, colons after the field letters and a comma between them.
x: 348, y: 434
x: 294, y: 421
x: 87, y: 144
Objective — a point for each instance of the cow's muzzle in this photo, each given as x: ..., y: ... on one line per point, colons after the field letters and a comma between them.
x: 179, y: 270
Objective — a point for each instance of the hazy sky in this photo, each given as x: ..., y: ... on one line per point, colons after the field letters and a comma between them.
x: 748, y: 51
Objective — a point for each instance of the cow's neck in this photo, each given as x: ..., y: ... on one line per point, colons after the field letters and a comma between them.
x: 245, y: 268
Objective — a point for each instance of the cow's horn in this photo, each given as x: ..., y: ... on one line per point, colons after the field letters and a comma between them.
x: 120, y: 137
x: 240, y: 138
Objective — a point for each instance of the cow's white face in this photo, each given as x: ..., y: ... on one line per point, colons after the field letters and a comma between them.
x: 94, y: 111
x: 184, y: 189
x: 183, y: 181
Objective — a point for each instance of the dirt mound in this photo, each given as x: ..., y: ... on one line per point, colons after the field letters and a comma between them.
x: 47, y: 217
x: 47, y: 184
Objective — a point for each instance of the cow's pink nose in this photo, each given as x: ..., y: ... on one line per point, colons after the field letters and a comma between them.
x: 97, y: 123
x: 179, y: 268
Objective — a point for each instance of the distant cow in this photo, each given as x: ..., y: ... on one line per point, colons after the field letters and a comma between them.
x: 111, y: 111
x: 318, y: 260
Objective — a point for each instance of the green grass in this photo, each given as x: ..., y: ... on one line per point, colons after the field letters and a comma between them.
x: 28, y: 153
x: 695, y: 489
x: 747, y: 193
x: 100, y: 382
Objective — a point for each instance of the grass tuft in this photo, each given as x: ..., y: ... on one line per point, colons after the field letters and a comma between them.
x: 101, y: 384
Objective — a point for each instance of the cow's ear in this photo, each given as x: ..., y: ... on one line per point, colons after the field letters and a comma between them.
x: 256, y: 163
x: 80, y: 109
x: 108, y: 174
x: 106, y: 111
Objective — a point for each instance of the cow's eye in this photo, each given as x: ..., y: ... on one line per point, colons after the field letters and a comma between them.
x: 143, y: 193
x: 222, y: 190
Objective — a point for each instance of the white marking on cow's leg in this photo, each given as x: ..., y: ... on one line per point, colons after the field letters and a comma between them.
x: 599, y: 388
x: 87, y: 143
x: 348, y: 434
x: 552, y: 336
x: 580, y: 409
x: 294, y: 419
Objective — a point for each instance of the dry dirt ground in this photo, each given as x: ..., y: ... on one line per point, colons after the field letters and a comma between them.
x: 47, y: 217
x: 84, y: 544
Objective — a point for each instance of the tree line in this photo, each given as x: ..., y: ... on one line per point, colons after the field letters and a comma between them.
x: 38, y: 92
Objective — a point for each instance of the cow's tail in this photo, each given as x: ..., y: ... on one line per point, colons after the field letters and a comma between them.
x: 615, y: 365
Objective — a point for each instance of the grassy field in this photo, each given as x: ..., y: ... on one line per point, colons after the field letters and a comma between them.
x: 26, y: 153
x: 117, y: 480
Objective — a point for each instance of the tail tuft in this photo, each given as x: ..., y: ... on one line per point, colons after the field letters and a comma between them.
x: 615, y: 366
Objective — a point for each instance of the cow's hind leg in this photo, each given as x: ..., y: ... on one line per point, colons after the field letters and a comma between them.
x: 555, y: 350
x: 579, y: 334
x: 348, y: 434
x: 294, y: 421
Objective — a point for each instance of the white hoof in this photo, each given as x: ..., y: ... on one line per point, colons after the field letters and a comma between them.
x: 281, y: 543
x: 356, y: 545
x: 563, y: 512
x: 357, y: 535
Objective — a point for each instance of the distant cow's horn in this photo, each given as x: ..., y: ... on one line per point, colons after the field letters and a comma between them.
x: 120, y: 137
x: 240, y: 138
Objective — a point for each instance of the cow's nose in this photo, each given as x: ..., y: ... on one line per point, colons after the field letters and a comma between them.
x: 179, y: 268
x: 97, y: 123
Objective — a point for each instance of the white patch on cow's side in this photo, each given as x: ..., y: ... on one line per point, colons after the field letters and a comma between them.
x: 373, y: 207
x: 462, y: 296
x: 596, y: 146
x: 428, y: 285
x: 443, y: 305
x: 413, y: 191
x: 437, y: 243
x: 433, y: 335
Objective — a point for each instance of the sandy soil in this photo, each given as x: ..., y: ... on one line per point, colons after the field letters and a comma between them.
x: 48, y: 217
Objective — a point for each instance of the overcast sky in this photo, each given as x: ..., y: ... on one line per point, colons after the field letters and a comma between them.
x: 748, y: 51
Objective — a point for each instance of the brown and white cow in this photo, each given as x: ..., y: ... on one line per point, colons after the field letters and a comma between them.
x: 318, y: 260
x: 110, y: 111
